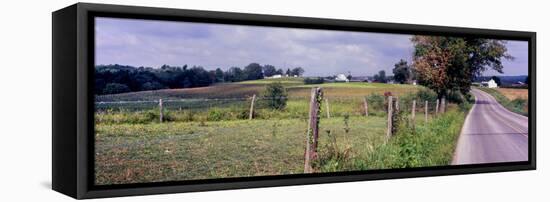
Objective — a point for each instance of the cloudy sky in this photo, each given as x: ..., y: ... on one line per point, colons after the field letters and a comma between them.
x: 153, y: 43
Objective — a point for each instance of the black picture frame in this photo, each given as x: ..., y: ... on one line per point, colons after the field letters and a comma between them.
x: 73, y: 122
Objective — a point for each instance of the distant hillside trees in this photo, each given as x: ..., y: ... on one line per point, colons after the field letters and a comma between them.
x: 112, y: 79
x: 314, y: 80
x: 113, y: 88
x: 234, y: 74
x: 497, y: 80
x: 402, y: 73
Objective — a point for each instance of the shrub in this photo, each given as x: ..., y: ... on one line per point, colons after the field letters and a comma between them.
x: 216, y: 114
x: 456, y: 97
x: 276, y: 96
x: 376, y: 102
x: 426, y: 94
x: 333, y: 157
x: 519, y: 104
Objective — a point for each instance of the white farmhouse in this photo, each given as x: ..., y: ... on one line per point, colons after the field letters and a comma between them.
x: 341, y: 78
x: 276, y: 76
x: 489, y: 84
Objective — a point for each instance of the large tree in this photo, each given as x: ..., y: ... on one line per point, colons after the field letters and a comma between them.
x: 219, y: 75
x: 269, y: 70
x: 380, y: 77
x: 402, y: 72
x: 253, y: 71
x: 234, y: 74
x: 297, y: 71
x: 446, y: 64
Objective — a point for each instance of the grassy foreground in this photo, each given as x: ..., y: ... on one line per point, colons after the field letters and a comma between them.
x: 134, y: 153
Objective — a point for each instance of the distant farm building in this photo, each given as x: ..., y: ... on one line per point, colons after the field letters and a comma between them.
x: 341, y: 78
x: 489, y: 84
x: 276, y: 76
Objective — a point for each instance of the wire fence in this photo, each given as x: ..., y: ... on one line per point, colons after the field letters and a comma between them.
x: 336, y: 106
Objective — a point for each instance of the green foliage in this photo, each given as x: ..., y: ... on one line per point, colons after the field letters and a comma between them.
x: 446, y: 64
x: 115, y: 88
x: 152, y: 86
x: 216, y: 114
x: 423, y: 145
x: 376, y: 103
x: 234, y: 74
x: 333, y: 158
x: 189, y: 150
x: 314, y: 80
x: 275, y: 96
x: 380, y: 77
x: 218, y: 75
x: 172, y: 77
x: 253, y: 71
x: 297, y: 71
x: 426, y: 94
x: 269, y: 70
x: 402, y: 73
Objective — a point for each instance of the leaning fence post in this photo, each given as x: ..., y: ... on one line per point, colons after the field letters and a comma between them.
x: 366, y: 105
x: 436, y: 106
x: 328, y: 108
x: 390, y: 117
x: 313, y: 128
x: 413, y: 112
x: 161, y: 112
x: 251, y: 114
x: 426, y: 111
x: 443, y: 105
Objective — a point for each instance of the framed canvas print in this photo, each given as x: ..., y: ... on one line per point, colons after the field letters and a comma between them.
x: 155, y: 100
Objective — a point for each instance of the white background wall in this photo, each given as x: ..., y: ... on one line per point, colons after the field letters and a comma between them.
x: 25, y: 103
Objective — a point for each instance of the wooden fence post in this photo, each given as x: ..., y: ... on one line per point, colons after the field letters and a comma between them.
x: 413, y: 112
x: 436, y: 106
x: 442, y: 105
x: 328, y: 108
x: 426, y: 111
x: 390, y: 117
x: 313, y: 128
x: 251, y: 114
x: 366, y: 105
x: 396, y: 103
x: 161, y: 112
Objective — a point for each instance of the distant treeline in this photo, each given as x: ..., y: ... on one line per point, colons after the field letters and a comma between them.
x: 112, y: 79
x: 506, y: 81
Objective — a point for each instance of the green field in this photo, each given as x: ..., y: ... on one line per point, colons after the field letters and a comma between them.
x: 295, y: 88
x: 216, y: 140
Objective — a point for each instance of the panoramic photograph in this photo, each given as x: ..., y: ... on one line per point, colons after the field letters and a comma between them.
x: 179, y: 101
